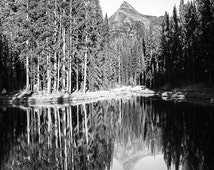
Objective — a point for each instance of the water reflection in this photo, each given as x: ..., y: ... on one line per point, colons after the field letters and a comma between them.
x: 152, y: 163
x: 122, y: 134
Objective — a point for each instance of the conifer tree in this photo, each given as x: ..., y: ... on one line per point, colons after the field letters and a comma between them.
x: 206, y: 19
x: 190, y: 43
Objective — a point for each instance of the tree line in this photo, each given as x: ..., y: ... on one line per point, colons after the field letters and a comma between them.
x: 65, y: 45
x: 178, y: 52
x: 54, y: 40
x: 186, y: 52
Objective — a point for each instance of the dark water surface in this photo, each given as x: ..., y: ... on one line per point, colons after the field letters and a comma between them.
x: 129, y: 134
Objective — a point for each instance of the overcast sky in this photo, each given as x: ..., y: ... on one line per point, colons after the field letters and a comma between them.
x: 147, y: 7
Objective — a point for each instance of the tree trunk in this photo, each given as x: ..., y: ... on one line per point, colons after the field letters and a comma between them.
x: 64, y: 54
x: 70, y: 51
x: 77, y: 78
x: 119, y: 63
x: 85, y: 72
x: 48, y: 62
x: 38, y: 76
x: 58, y: 74
x: 55, y: 72
x: 86, y: 55
x: 27, y: 57
x: 27, y: 72
x: 55, y: 54
x: 48, y: 75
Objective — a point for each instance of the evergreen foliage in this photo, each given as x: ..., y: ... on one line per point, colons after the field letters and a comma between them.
x: 186, y: 44
x: 67, y: 46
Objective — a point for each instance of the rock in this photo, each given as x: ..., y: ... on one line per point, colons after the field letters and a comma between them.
x: 3, y: 91
x: 178, y: 95
x: 143, y: 87
x: 4, y: 109
x: 173, y: 95
x: 166, y: 94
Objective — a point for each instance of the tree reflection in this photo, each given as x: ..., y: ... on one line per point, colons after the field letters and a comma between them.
x: 65, y: 137
x: 88, y: 136
x: 11, y: 127
x: 188, y: 131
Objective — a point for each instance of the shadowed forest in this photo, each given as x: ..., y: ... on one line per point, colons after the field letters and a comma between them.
x: 67, y: 46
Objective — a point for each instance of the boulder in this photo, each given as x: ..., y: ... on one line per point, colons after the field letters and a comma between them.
x: 178, y: 95
x: 166, y: 94
x: 3, y: 91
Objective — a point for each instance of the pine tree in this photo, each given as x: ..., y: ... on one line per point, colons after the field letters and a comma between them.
x: 190, y: 41
x: 176, y: 48
x: 12, y: 73
x: 206, y: 19
x: 165, y: 55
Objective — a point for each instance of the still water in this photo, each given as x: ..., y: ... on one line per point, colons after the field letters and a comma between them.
x: 128, y: 134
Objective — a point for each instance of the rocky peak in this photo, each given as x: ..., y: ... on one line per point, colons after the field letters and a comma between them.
x: 125, y: 4
x: 126, y: 17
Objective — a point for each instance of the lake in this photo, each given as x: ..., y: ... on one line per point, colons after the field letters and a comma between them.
x: 125, y: 134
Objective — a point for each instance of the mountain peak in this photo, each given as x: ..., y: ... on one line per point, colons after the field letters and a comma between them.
x: 125, y: 4
x: 127, y: 14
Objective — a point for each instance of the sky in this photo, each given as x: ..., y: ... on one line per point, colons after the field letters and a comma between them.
x: 147, y: 7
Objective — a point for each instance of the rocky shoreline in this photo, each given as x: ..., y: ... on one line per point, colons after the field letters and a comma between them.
x: 197, y: 92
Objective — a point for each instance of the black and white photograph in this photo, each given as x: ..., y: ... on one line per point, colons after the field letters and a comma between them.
x: 106, y: 84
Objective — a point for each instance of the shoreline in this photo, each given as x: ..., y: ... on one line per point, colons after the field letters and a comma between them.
x: 33, y: 99
x: 190, y: 94
x: 197, y: 93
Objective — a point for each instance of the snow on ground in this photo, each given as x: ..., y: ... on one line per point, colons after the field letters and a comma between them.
x: 116, y: 93
x: 88, y: 97
x: 42, y: 98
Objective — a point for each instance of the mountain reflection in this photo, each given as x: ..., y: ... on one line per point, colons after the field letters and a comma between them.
x: 98, y: 135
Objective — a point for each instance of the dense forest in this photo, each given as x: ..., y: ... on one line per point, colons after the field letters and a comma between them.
x: 187, y: 43
x: 67, y: 46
